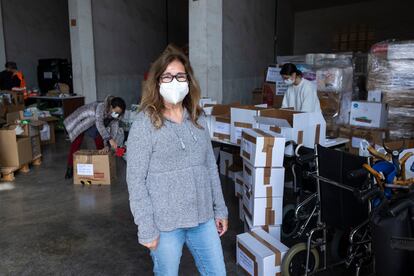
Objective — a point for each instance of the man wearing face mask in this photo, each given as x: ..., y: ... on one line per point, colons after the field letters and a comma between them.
x: 98, y: 120
x: 301, y: 93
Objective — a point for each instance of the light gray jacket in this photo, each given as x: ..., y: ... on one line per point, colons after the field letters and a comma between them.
x: 172, y: 177
x: 94, y: 114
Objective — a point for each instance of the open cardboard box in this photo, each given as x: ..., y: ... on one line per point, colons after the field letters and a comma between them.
x: 302, y: 128
x: 243, y: 117
x: 15, y: 151
x: 219, y: 121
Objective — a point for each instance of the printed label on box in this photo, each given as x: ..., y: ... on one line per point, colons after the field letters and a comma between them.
x: 85, y: 169
x: 222, y: 128
x: 245, y: 262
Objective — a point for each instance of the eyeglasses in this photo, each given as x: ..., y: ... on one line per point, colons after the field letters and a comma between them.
x: 181, y: 77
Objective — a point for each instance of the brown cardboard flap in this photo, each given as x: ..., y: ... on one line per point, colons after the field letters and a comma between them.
x: 223, y: 119
x: 245, y: 125
x: 221, y: 136
x: 248, y: 137
x: 280, y: 114
x: 278, y: 255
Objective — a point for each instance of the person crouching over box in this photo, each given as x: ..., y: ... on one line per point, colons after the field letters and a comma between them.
x: 98, y: 120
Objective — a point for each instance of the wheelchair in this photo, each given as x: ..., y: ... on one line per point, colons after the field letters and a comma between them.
x: 336, y: 208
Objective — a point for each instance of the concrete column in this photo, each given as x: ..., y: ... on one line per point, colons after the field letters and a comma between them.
x: 205, y: 43
x: 2, y: 42
x: 82, y: 47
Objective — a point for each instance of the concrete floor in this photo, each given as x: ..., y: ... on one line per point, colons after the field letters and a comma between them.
x: 48, y: 226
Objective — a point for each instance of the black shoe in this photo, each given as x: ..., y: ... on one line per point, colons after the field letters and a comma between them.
x: 69, y: 173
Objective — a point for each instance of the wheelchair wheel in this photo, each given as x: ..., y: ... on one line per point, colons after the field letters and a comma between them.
x: 294, y: 262
x: 290, y: 224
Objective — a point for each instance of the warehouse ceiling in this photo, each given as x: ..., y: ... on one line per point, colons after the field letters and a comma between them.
x: 304, y: 5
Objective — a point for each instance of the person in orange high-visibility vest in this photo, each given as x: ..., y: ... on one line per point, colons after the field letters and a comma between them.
x: 19, y: 75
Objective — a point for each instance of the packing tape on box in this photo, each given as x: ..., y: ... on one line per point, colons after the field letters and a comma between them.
x: 268, y: 144
x: 221, y: 136
x: 278, y: 254
x: 242, y: 125
x: 269, y: 212
x: 239, y: 182
x: 251, y: 256
x: 300, y: 133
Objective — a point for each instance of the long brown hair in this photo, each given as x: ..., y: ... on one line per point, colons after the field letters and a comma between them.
x: 152, y: 102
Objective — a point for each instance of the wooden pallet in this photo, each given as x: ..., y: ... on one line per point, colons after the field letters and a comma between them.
x: 7, y: 173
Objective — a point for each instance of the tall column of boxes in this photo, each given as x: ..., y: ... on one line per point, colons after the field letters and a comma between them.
x: 263, y: 180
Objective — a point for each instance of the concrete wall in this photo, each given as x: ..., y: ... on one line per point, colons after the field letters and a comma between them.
x: 248, y: 31
x: 34, y: 30
x: 128, y: 36
x: 314, y: 30
x: 285, y: 27
x: 178, y: 22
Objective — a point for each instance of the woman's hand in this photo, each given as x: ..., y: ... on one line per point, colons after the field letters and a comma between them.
x: 113, y: 144
x: 222, y: 226
x: 152, y: 245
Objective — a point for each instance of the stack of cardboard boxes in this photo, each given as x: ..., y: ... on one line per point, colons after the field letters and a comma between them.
x: 263, y: 179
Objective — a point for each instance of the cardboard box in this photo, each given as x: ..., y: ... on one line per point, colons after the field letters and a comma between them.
x: 14, y: 150
x: 302, y: 128
x: 90, y: 166
x: 263, y: 210
x: 264, y: 182
x: 369, y: 114
x: 374, y: 96
x: 273, y: 230
x: 238, y: 184
x: 220, y: 122
x: 36, y: 147
x: 242, y: 118
x: 262, y: 149
x: 50, y: 138
x: 259, y: 254
x: 230, y: 162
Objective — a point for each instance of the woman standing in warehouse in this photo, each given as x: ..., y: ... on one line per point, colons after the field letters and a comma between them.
x: 301, y: 94
x: 174, y: 188
x: 98, y: 120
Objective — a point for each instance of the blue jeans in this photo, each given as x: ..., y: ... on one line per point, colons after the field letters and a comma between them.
x: 204, y: 244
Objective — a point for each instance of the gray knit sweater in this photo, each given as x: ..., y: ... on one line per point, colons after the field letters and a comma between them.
x: 172, y: 177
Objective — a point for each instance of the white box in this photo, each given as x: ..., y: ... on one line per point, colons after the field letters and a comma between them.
x: 238, y: 184
x: 262, y: 148
x: 273, y: 230
x: 258, y: 253
x: 241, y: 210
x: 219, y: 121
x: 242, y: 118
x: 264, y: 182
x: 369, y: 114
x: 374, y: 96
x: 220, y: 128
x: 204, y: 101
x: 263, y: 210
x: 307, y: 129
x: 226, y: 160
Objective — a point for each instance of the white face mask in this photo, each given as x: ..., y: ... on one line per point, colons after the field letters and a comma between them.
x: 115, y: 115
x: 288, y: 81
x: 174, y: 92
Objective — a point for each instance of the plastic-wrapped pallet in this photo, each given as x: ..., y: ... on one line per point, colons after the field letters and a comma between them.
x: 390, y: 69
